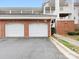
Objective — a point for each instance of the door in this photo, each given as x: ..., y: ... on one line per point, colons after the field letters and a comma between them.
x: 14, y: 30
x: 38, y: 30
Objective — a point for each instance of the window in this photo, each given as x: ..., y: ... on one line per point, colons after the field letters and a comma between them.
x: 61, y: 8
x: 47, y: 10
x: 52, y: 9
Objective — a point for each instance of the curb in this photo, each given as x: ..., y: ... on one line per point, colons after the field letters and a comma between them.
x: 66, y: 51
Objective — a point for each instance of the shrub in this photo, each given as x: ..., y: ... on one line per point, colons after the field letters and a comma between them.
x: 73, y: 33
x: 53, y: 30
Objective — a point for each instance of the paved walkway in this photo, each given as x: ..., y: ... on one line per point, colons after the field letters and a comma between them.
x: 72, y: 41
x: 35, y: 48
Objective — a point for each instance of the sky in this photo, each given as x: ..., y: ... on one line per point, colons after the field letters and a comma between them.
x: 21, y: 3
x: 74, y: 0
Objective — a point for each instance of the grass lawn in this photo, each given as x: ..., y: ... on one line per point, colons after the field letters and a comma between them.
x: 70, y: 46
x: 75, y: 37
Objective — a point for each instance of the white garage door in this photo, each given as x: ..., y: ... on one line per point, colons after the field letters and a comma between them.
x: 14, y: 30
x: 38, y: 30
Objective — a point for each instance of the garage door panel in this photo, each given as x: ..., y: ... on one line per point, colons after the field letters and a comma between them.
x: 14, y: 30
x: 38, y: 30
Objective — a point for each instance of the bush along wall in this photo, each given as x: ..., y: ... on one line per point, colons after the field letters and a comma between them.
x: 73, y: 33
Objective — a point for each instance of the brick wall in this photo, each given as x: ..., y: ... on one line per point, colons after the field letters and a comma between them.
x: 62, y: 27
x: 26, y: 26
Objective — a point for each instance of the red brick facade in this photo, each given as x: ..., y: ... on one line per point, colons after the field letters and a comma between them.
x: 26, y: 25
x: 62, y: 27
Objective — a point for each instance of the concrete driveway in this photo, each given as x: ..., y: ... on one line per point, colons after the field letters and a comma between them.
x: 33, y: 48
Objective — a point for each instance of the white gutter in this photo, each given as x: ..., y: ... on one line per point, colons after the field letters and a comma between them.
x: 25, y: 17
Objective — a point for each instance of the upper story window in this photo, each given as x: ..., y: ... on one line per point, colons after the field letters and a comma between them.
x: 61, y: 8
x: 52, y: 9
x: 47, y: 10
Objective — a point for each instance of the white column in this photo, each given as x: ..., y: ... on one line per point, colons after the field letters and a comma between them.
x: 44, y: 10
x: 73, y: 9
x: 71, y: 5
x: 76, y: 16
x: 57, y: 8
